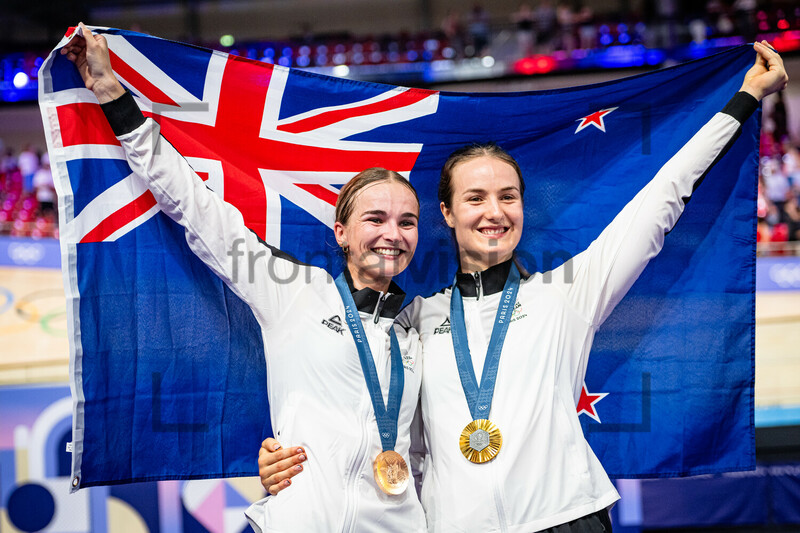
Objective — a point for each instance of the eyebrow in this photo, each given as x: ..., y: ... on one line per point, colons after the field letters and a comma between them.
x: 504, y: 189
x: 383, y: 213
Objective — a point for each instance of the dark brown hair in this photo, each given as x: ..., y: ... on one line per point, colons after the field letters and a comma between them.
x: 347, y: 195
x: 466, y: 153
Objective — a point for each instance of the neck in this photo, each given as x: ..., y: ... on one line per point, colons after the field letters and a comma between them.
x: 478, y: 262
x: 363, y: 281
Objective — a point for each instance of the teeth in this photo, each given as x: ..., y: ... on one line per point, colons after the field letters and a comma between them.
x: 493, y: 231
x: 386, y: 251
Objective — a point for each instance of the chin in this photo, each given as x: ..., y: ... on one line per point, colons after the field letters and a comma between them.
x: 391, y: 271
x: 501, y: 251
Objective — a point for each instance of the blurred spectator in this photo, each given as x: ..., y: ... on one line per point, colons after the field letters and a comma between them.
x: 545, y: 15
x: 766, y: 215
x: 8, y: 162
x: 718, y: 18
x: 587, y: 31
x: 698, y: 30
x: 776, y: 184
x: 791, y: 167
x: 478, y: 26
x: 725, y: 25
x: 791, y: 217
x: 745, y: 13
x: 453, y: 30
x: 566, y: 27
x: 28, y: 163
x: 780, y: 130
x: 667, y: 14
x: 523, y: 20
x: 45, y: 189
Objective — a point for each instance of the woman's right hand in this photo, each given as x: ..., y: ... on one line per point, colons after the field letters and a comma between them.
x: 90, y: 54
x: 768, y: 75
x: 276, y: 466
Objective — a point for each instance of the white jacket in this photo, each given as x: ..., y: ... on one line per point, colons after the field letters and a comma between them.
x: 317, y: 393
x: 545, y: 474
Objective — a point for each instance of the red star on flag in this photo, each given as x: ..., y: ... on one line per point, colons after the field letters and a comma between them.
x: 595, y: 119
x: 587, y: 401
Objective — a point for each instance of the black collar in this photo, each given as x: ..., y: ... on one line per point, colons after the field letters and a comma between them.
x: 489, y: 281
x: 367, y: 299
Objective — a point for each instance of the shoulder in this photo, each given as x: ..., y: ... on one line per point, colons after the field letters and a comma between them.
x: 423, y: 307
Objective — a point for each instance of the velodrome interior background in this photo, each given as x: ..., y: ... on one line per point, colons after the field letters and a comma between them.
x: 629, y: 36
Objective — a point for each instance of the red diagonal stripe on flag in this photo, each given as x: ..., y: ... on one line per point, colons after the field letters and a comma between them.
x: 326, y: 119
x: 142, y: 84
x: 121, y: 217
x: 326, y: 195
x: 84, y: 123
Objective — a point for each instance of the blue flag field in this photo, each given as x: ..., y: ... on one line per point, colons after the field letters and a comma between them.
x: 167, y: 364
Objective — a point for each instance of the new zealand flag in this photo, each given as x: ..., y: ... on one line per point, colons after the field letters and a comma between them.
x: 167, y: 365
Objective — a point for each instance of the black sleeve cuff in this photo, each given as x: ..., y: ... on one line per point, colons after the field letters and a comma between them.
x: 123, y: 114
x: 741, y: 106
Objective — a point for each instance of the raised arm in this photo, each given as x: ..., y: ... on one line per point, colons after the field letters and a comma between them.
x: 604, y: 273
x: 262, y: 276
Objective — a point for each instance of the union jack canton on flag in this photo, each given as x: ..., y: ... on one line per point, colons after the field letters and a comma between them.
x: 167, y: 364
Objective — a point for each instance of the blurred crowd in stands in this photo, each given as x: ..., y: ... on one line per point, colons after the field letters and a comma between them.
x: 535, y: 28
x: 778, y: 185
x: 541, y: 27
x: 27, y: 194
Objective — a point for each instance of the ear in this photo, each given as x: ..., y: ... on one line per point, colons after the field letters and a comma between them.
x: 448, y: 215
x: 338, y: 231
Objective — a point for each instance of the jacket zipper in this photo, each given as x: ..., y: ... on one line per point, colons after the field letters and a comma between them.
x: 478, y: 284
x: 498, y: 502
x: 376, y: 315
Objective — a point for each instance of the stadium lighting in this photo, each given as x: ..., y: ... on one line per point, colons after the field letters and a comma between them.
x: 341, y: 71
x: 21, y: 80
x: 227, y: 40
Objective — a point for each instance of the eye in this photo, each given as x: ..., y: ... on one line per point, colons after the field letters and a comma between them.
x: 374, y: 220
x: 408, y: 223
x: 474, y: 199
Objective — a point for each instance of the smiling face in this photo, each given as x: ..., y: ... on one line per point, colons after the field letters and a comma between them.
x: 485, y: 211
x: 380, y: 233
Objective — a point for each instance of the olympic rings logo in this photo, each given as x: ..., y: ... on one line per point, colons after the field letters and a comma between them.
x: 25, y: 254
x: 26, y: 312
x: 786, y: 275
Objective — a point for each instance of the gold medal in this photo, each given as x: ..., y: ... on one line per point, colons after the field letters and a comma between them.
x: 391, y: 472
x: 480, y: 441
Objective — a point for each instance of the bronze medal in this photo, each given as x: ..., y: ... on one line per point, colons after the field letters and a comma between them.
x: 391, y: 472
x: 480, y: 441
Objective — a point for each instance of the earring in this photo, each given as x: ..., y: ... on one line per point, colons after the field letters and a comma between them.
x: 345, y: 247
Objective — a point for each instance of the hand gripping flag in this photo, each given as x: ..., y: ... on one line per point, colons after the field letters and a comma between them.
x: 167, y: 364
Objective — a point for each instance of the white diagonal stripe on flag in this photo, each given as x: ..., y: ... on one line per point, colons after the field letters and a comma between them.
x: 359, y: 124
x: 105, y: 204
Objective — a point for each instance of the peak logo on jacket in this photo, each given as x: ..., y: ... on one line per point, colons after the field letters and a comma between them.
x: 444, y: 328
x: 334, y: 323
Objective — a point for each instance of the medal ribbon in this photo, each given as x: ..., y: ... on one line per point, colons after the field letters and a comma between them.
x: 387, y: 415
x: 479, y: 399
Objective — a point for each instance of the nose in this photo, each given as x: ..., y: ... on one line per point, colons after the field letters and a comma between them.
x: 493, y: 209
x: 391, y: 232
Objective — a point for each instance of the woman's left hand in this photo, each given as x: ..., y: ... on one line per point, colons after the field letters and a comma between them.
x: 276, y: 466
x: 767, y: 75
